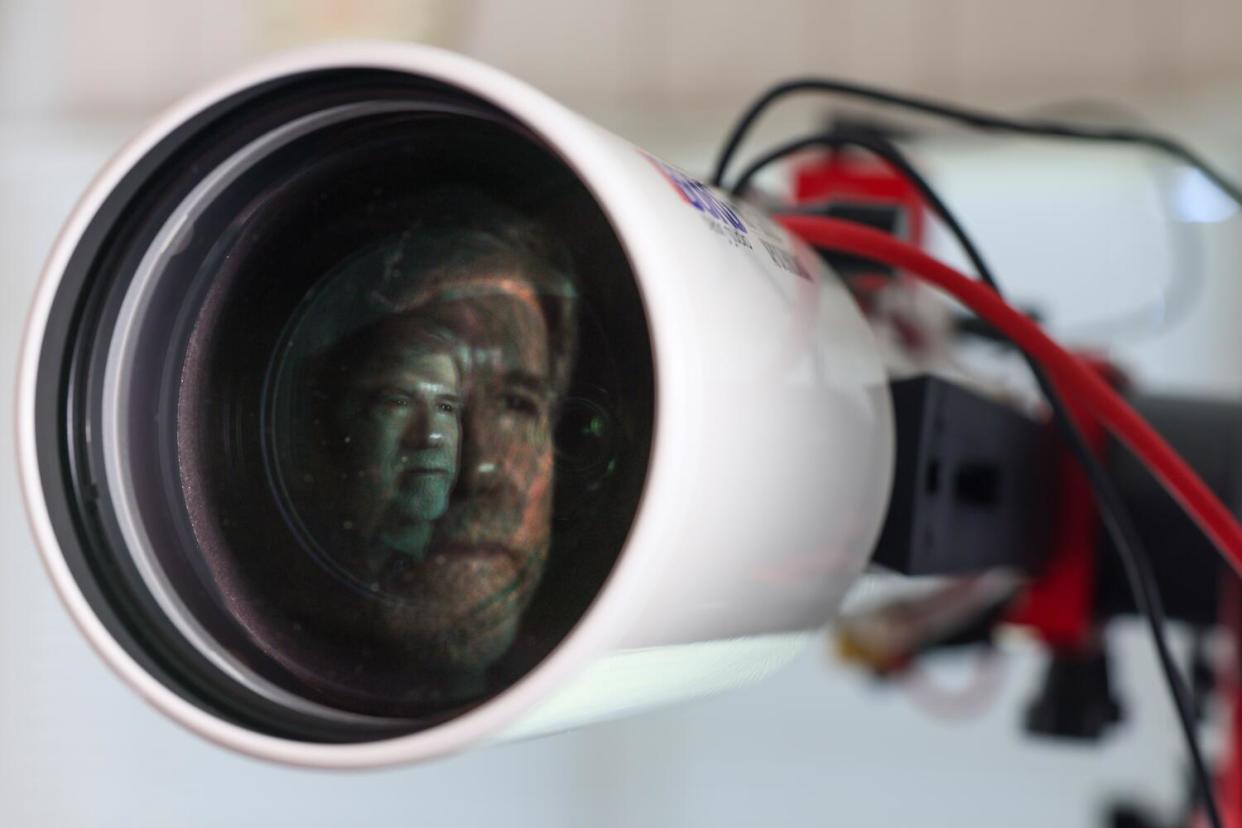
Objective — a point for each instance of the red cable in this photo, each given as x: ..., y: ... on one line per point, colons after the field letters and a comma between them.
x: 1067, y: 371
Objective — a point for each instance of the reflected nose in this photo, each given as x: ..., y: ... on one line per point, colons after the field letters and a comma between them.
x: 422, y: 429
x: 481, y: 457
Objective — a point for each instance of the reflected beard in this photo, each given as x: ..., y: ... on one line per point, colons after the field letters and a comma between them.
x: 458, y: 610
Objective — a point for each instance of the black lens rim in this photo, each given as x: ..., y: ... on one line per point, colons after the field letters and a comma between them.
x: 69, y: 380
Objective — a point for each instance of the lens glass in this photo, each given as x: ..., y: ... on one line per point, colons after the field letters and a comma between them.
x: 409, y: 395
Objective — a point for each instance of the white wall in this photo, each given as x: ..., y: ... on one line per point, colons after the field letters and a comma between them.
x: 99, y: 56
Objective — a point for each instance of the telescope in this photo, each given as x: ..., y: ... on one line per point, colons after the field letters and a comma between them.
x: 373, y: 406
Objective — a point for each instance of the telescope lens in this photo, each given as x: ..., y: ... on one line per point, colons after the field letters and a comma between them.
x: 375, y: 414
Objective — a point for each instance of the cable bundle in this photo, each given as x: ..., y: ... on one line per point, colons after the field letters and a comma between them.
x: 1060, y: 374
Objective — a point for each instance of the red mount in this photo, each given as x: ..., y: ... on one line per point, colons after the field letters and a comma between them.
x: 854, y: 176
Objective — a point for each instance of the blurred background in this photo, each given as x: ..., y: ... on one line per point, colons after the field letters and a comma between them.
x: 1081, y: 234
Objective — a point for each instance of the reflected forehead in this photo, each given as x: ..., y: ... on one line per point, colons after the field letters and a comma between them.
x: 411, y: 362
x: 482, y: 284
x: 501, y: 332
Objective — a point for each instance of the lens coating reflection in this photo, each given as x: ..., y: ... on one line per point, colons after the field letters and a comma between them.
x: 411, y: 441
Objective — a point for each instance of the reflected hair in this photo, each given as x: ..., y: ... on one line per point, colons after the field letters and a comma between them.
x: 453, y: 233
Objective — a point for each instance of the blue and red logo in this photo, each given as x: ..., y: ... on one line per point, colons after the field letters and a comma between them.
x: 698, y: 195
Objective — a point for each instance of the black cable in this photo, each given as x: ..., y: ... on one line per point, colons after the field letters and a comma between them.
x: 834, y: 139
x: 1117, y: 521
x: 970, y: 117
x: 1184, y: 288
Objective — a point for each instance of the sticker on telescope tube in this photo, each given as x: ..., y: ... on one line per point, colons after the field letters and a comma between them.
x: 699, y: 196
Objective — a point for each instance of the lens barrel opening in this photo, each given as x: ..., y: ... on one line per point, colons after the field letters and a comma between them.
x: 345, y: 406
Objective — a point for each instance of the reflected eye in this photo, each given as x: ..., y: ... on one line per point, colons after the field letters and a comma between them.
x: 526, y: 405
x: 390, y: 400
x: 447, y: 407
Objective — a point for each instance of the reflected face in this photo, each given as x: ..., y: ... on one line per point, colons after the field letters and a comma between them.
x: 461, y: 605
x: 400, y: 429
